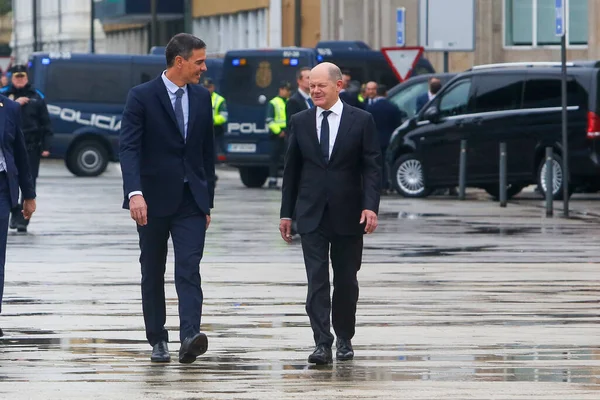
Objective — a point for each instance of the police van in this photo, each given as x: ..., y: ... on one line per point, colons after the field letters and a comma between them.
x: 253, y: 77
x: 86, y: 95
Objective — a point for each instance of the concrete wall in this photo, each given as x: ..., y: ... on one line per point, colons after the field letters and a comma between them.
x: 374, y: 22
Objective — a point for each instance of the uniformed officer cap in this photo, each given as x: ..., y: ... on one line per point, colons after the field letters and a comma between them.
x: 285, y: 85
x: 19, y: 68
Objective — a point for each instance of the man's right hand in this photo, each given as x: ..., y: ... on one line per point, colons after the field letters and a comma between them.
x: 22, y: 100
x: 138, y: 209
x: 285, y: 227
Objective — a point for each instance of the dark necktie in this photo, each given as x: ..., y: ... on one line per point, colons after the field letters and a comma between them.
x: 179, y: 112
x: 325, y: 136
x: 310, y: 103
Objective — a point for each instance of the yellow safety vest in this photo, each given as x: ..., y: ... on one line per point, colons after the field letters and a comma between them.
x: 280, y: 120
x: 217, y: 100
x: 361, y: 99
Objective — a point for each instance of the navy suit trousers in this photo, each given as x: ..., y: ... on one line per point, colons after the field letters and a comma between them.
x: 5, y: 207
x: 187, y: 227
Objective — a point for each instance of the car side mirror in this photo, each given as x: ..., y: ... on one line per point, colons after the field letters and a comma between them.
x: 432, y: 114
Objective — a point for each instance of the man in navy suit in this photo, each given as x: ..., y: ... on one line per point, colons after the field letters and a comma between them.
x: 15, y: 173
x: 168, y: 165
x: 434, y: 87
x: 387, y: 118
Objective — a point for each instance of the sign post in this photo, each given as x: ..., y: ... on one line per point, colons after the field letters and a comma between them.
x: 400, y: 27
x: 560, y: 30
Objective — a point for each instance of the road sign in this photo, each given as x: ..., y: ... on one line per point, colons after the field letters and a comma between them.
x: 400, y: 26
x: 446, y: 25
x: 559, y: 26
x: 402, y: 60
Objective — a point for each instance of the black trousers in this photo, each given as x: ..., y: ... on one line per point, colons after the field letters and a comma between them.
x: 277, y: 151
x: 187, y: 227
x: 346, y: 257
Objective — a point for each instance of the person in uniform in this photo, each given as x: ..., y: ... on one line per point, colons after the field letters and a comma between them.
x: 35, y: 122
x: 219, y: 107
x: 276, y: 123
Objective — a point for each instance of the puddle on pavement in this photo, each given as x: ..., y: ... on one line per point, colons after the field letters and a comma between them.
x: 408, y: 215
x: 428, y: 251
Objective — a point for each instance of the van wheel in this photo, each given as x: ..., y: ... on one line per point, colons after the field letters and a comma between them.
x: 512, y: 190
x: 254, y: 177
x: 557, y: 177
x: 408, y: 177
x: 87, y: 158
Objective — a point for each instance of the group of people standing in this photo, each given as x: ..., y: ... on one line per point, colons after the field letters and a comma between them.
x: 372, y: 98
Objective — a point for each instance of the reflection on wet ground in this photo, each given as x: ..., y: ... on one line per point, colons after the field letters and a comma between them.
x: 458, y: 301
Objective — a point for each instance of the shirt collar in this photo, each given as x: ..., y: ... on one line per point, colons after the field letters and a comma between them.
x: 336, y: 108
x: 171, y: 87
x: 305, y: 95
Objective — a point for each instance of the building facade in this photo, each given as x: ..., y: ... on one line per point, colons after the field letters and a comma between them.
x: 240, y: 24
x: 61, y: 25
x: 505, y: 30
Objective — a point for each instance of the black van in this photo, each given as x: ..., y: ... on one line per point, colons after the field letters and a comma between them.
x: 515, y: 103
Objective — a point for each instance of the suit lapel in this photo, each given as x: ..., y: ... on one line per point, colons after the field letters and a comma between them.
x: 163, y: 96
x: 314, y: 138
x: 194, y: 107
x: 345, y: 125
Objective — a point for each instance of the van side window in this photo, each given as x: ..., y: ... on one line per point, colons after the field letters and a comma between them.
x: 456, y: 100
x: 546, y: 92
x: 498, y: 93
x: 87, y: 82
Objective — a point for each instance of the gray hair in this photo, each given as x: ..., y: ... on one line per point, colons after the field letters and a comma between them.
x: 335, y: 73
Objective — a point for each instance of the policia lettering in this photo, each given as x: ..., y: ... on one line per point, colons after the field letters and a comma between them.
x: 277, y: 124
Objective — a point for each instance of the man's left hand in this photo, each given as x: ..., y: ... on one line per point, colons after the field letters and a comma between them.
x: 28, y: 208
x: 371, y: 218
x: 45, y: 153
x: 207, y: 221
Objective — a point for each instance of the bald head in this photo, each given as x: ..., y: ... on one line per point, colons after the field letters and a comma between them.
x: 371, y: 90
x: 325, y: 84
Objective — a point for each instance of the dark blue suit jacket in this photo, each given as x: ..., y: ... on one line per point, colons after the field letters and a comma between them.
x: 387, y: 118
x: 12, y: 141
x: 421, y: 101
x: 154, y: 157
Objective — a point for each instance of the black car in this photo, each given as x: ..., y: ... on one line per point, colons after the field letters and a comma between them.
x: 405, y: 94
x: 518, y: 104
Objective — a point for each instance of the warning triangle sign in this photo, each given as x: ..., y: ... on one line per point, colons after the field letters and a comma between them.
x: 402, y: 60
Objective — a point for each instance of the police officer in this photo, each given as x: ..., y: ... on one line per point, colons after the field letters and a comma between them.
x: 276, y: 122
x: 219, y: 107
x: 35, y: 123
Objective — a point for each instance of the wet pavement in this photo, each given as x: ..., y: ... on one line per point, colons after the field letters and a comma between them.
x: 458, y: 300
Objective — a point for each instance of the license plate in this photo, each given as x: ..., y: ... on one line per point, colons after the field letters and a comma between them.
x: 242, y: 147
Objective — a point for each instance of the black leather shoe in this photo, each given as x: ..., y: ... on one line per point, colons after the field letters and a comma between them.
x: 321, y: 355
x: 192, y: 347
x: 344, y: 350
x: 160, y: 353
x: 1, y: 333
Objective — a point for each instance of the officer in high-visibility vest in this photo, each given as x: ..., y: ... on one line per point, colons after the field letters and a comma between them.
x: 276, y: 123
x: 219, y: 107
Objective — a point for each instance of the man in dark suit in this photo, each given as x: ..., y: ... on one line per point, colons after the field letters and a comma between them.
x: 332, y: 179
x: 300, y: 100
x: 434, y: 86
x: 15, y: 174
x: 167, y: 159
x: 387, y: 118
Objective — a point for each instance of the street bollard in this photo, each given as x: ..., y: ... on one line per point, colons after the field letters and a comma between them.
x: 503, y: 174
x: 549, y: 182
x: 462, y: 176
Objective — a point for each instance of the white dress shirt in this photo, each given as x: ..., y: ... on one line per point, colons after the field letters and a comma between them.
x: 306, y: 96
x: 185, y: 104
x: 334, y: 122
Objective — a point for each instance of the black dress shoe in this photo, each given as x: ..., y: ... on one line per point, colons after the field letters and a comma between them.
x: 1, y: 333
x: 160, y: 353
x: 192, y: 347
x: 321, y: 355
x: 344, y: 350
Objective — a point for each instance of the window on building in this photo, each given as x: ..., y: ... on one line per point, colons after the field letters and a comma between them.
x: 531, y: 23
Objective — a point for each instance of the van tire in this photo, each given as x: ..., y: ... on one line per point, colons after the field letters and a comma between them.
x: 87, y: 158
x: 408, y: 171
x: 254, y: 177
x: 558, y: 192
